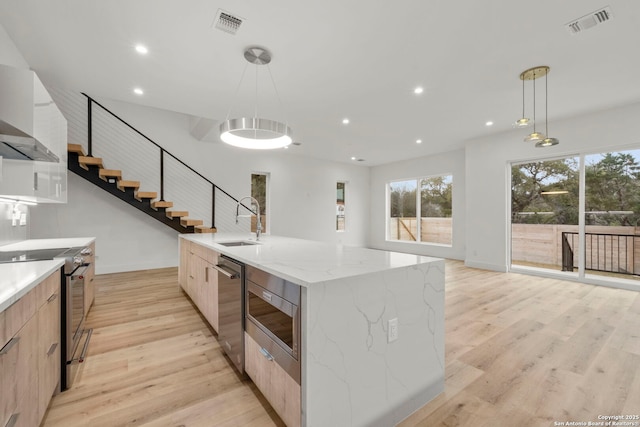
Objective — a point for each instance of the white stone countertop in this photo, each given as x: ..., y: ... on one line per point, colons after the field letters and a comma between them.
x: 305, y: 262
x: 33, y: 244
x: 18, y: 278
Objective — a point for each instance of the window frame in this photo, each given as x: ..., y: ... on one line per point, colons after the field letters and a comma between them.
x: 418, y: 209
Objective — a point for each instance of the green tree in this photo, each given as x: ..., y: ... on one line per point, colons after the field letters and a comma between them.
x: 530, y: 180
x: 436, y: 197
x: 402, y: 199
x: 613, y: 185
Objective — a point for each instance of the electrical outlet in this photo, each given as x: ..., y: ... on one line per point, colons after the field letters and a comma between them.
x: 392, y: 330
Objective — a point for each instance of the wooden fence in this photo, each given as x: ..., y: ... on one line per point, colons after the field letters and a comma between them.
x: 541, y: 244
x: 433, y: 230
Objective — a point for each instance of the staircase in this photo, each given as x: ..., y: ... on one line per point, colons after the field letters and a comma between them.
x: 92, y: 169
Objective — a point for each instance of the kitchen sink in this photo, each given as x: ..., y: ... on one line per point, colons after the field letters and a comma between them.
x: 240, y: 243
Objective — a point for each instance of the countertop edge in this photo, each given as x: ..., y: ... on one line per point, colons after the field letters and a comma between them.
x: 42, y: 270
x: 229, y: 252
x: 49, y: 243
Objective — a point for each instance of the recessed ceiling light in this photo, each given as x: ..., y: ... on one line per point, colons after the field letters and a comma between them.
x: 418, y: 90
x: 418, y: 141
x: 138, y: 91
x: 489, y: 123
x: 142, y: 49
x: 345, y: 121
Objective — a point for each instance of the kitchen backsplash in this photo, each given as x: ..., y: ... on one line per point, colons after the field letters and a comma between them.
x: 8, y: 232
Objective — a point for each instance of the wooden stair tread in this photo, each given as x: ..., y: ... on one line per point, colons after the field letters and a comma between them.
x: 139, y: 195
x: 86, y: 161
x: 76, y: 148
x: 177, y: 214
x: 205, y: 229
x: 123, y: 185
x: 161, y: 204
x: 110, y: 173
x: 186, y: 222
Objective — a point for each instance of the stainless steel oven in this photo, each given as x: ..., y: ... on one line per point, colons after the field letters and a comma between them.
x: 273, y: 318
x: 75, y: 337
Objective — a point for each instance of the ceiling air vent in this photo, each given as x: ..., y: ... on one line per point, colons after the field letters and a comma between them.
x: 590, y: 20
x: 227, y: 22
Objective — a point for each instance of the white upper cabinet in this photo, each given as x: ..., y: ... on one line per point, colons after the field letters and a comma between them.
x: 29, y: 109
x: 16, y: 102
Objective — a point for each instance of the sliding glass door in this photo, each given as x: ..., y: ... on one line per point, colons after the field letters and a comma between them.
x: 612, y: 215
x: 547, y: 198
x: 544, y: 206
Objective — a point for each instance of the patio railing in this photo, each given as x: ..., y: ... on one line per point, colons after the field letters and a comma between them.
x: 610, y: 253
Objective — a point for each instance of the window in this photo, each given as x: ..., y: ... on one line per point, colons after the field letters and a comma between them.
x: 421, y: 216
x: 340, y: 189
x: 259, y: 192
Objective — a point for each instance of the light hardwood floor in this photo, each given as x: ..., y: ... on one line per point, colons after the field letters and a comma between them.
x: 520, y: 351
x: 153, y: 361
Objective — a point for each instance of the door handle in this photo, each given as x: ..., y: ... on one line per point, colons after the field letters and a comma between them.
x: 229, y: 274
x: 266, y: 354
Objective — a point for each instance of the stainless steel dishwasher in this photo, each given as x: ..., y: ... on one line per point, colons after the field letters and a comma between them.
x: 231, y: 309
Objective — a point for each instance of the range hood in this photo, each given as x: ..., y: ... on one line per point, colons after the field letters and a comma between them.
x: 24, y: 147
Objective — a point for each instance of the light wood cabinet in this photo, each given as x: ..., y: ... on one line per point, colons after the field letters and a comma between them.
x: 282, y: 392
x: 29, y: 362
x: 183, y: 267
x: 201, y: 281
x: 89, y: 276
x: 49, y: 344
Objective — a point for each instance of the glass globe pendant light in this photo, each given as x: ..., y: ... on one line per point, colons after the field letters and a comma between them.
x: 533, y: 74
x: 548, y: 141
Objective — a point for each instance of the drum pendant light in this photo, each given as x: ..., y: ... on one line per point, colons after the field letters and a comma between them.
x: 256, y: 132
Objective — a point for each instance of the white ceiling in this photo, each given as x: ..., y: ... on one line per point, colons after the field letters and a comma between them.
x: 359, y: 59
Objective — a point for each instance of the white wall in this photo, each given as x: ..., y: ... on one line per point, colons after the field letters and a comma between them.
x: 302, y: 192
x: 487, y: 173
x: 10, y: 55
x: 302, y: 195
x: 452, y: 162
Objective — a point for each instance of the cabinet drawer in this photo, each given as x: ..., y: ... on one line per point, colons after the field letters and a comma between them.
x: 18, y: 314
x: 206, y: 254
x: 282, y: 392
x: 48, y: 287
x: 19, y: 370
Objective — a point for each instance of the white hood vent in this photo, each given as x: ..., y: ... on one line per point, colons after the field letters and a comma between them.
x: 589, y: 21
x: 227, y: 22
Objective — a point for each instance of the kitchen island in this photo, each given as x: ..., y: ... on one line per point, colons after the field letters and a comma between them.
x: 351, y: 374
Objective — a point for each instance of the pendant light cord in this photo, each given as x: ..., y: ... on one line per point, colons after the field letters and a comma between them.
x: 235, y: 95
x: 277, y: 95
x: 523, y: 96
x: 546, y: 104
x: 534, y: 101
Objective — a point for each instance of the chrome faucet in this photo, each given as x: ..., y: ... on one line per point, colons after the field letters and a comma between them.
x: 257, y: 212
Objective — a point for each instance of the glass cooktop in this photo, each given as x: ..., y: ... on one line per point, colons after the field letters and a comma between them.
x: 33, y: 255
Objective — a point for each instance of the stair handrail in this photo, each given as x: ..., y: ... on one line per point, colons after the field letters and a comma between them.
x: 91, y: 101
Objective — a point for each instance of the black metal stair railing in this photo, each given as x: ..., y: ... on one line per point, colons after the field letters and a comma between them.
x: 604, y: 252
x: 110, y: 185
